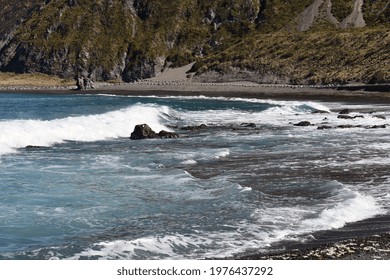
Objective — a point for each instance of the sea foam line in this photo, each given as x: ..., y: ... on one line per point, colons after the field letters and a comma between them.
x: 274, y: 224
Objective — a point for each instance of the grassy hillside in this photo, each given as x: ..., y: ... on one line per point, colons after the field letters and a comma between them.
x: 32, y: 80
x: 133, y: 39
x: 315, y: 57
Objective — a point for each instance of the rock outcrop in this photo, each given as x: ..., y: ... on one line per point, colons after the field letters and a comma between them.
x: 303, y: 123
x: 322, y: 10
x: 194, y: 127
x: 129, y: 40
x: 355, y: 19
x: 143, y: 131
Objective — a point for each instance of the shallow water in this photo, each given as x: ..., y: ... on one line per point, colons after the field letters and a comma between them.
x: 83, y: 190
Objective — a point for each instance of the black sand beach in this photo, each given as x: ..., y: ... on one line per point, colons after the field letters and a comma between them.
x: 354, y: 93
x: 364, y: 240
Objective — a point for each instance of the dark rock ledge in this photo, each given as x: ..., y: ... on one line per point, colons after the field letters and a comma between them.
x: 343, y: 126
x: 143, y: 131
x: 363, y: 248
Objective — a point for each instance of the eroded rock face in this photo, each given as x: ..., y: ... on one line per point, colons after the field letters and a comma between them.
x: 322, y: 9
x: 355, y: 19
x: 138, y: 39
x: 142, y: 68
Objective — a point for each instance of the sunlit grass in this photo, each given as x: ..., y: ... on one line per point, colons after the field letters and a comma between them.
x: 32, y: 80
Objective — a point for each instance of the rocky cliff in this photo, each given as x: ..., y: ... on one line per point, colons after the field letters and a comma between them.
x: 301, y: 41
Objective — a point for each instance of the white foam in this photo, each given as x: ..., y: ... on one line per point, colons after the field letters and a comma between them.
x: 189, y: 162
x: 222, y: 154
x: 296, y: 104
x: 277, y: 115
x: 351, y: 210
x: 122, y: 249
x: 21, y: 133
x: 173, y: 246
x: 268, y: 225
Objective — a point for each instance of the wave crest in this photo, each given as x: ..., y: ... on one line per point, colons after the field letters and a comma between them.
x: 21, y: 133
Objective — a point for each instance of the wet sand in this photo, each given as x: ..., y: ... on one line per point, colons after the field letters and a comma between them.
x: 364, y: 240
x: 356, y: 93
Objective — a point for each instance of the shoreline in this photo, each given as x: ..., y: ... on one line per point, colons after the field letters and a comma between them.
x: 367, y: 239
x: 332, y: 244
x: 354, y: 93
x: 373, y: 247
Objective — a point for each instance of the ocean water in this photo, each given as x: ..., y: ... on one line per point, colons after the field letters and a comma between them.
x: 74, y: 186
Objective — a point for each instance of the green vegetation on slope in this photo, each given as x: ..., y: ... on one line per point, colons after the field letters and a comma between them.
x: 313, y: 57
x: 133, y: 39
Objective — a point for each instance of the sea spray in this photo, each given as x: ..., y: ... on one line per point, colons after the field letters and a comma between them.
x: 22, y: 133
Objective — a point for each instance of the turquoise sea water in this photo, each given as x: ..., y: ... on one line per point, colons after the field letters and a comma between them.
x: 83, y: 190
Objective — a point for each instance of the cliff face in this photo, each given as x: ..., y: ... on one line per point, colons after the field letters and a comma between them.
x: 259, y: 40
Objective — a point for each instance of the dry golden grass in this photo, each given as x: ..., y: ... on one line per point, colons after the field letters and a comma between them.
x: 32, y: 80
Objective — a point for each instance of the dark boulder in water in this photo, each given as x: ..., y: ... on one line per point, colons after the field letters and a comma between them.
x: 143, y: 131
x: 194, y: 127
x: 303, y: 123
x: 248, y: 125
x: 348, y: 126
x: 319, y: 112
x: 167, y: 134
x: 322, y: 127
x: 350, y: 117
x: 33, y: 147
x: 344, y: 117
x: 376, y: 126
x: 344, y: 112
x: 351, y: 126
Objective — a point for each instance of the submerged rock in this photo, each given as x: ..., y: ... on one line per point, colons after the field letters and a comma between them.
x: 319, y: 112
x: 194, y: 127
x: 349, y: 117
x: 167, y: 134
x: 344, y: 117
x: 344, y: 112
x: 322, y: 127
x: 348, y: 126
x: 303, y: 123
x: 33, y: 147
x: 376, y: 126
x: 248, y: 125
x: 143, y: 131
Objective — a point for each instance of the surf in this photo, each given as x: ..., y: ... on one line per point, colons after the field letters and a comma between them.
x: 18, y: 134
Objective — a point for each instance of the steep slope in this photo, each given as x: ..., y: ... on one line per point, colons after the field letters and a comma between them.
x: 259, y: 40
x: 331, y: 46
x: 71, y: 38
x: 112, y: 38
x: 13, y: 14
